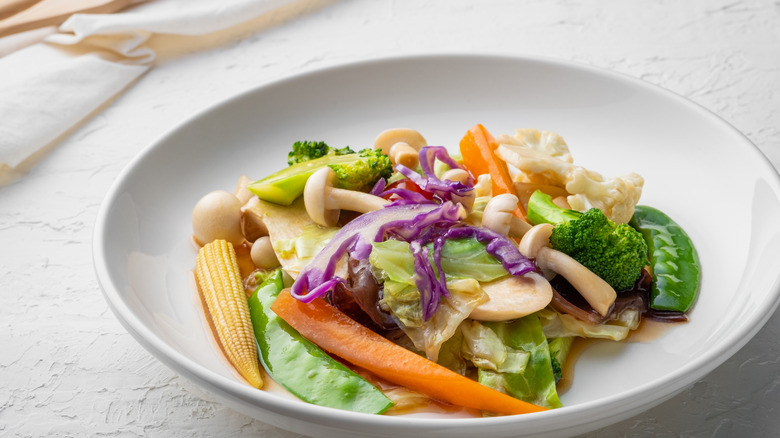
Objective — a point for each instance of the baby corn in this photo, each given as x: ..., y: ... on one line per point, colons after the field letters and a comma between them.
x: 219, y: 280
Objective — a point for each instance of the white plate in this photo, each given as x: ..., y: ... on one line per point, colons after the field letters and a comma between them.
x: 697, y: 168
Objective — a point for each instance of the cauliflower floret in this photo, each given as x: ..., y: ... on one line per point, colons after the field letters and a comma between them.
x: 550, y: 143
x: 535, y: 166
x: 615, y: 197
x: 549, y: 162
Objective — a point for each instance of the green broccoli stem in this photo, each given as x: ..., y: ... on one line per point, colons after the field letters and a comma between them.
x: 357, y: 171
x: 542, y: 210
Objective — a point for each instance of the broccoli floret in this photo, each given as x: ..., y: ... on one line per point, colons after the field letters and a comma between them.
x: 354, y: 171
x: 363, y: 173
x: 310, y: 150
x: 616, y: 253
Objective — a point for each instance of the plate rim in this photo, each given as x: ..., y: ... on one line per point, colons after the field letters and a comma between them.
x: 202, y: 375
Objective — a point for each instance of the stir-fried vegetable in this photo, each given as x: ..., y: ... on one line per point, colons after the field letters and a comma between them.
x: 616, y: 253
x: 340, y: 335
x: 412, y: 267
x: 310, y: 150
x: 673, y: 258
x: 535, y: 383
x: 356, y: 171
x: 478, y: 150
x: 302, y: 367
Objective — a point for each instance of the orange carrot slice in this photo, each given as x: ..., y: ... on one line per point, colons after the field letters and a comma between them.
x: 477, y: 148
x: 335, y: 332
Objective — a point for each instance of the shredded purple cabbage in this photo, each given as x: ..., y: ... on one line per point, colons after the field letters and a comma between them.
x: 318, y: 277
x: 406, y: 196
x: 442, y: 190
x: 423, y: 227
x: 412, y: 218
x: 379, y: 187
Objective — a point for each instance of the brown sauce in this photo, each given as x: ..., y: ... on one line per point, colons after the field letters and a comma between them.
x: 649, y: 330
x: 577, y: 348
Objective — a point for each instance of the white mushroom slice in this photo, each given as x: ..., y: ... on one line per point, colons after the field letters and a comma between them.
x: 401, y: 145
x: 498, y: 216
x: 217, y: 216
x: 513, y: 297
x: 597, y: 292
x: 325, y: 202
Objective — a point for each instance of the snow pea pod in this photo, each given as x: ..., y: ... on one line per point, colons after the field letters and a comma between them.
x: 673, y: 258
x: 303, y: 368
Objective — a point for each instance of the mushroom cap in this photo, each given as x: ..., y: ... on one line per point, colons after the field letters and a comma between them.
x: 217, y: 215
x: 315, y: 195
x: 387, y: 138
x: 536, y: 238
x: 262, y: 253
x: 497, y: 215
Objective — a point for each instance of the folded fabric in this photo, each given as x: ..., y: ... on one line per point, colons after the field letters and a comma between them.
x: 49, y: 87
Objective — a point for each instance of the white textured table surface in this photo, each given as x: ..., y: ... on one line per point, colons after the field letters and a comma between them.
x: 67, y: 367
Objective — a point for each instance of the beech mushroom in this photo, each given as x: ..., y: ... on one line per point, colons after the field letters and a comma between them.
x: 457, y: 175
x: 325, y: 202
x: 401, y: 145
x: 498, y: 216
x: 217, y: 216
x: 262, y: 253
x: 597, y: 292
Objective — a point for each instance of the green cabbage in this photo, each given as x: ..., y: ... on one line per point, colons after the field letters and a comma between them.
x: 428, y: 336
x: 460, y: 258
x: 303, y: 248
x: 486, y: 350
x: 536, y: 382
x: 557, y: 325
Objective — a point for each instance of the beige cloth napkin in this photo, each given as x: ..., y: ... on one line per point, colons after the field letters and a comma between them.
x: 47, y: 88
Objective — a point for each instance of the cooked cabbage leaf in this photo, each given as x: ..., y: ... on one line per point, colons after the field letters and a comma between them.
x: 536, y: 382
x: 428, y: 336
x: 557, y: 325
x: 460, y: 258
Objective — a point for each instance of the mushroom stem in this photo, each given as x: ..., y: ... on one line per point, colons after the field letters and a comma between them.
x: 457, y: 175
x: 325, y: 202
x: 340, y: 199
x: 517, y: 226
x: 405, y: 155
x: 597, y: 292
x: 401, y: 145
